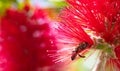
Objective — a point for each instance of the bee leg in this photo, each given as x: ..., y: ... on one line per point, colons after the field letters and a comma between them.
x: 81, y: 56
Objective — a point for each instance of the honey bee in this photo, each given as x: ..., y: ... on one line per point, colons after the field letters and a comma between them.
x: 81, y: 46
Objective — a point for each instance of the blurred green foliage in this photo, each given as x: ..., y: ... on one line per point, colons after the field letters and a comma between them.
x: 5, y: 4
x: 59, y: 3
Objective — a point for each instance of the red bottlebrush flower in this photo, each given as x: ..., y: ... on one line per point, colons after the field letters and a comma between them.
x: 84, y: 20
x: 101, y: 16
x: 24, y: 39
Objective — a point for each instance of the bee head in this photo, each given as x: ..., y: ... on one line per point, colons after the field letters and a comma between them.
x: 83, y: 45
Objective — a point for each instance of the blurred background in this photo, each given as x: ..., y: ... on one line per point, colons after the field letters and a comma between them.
x: 25, y: 34
x: 52, y: 6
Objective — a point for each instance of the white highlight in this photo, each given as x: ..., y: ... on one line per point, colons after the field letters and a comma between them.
x: 92, y: 11
x: 41, y: 21
x: 23, y: 28
x: 76, y: 17
x: 64, y: 49
x: 37, y: 34
x: 93, y: 61
x: 78, y: 2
